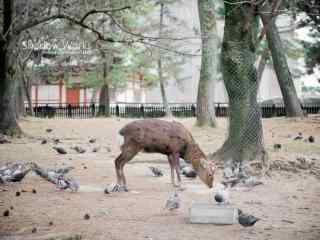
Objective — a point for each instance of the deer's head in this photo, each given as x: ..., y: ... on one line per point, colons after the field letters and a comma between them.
x: 206, y: 172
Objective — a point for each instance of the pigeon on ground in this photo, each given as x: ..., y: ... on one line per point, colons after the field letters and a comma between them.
x: 299, y: 137
x: 311, y: 139
x: 57, y: 177
x: 64, y: 170
x: 221, y: 194
x: 3, y: 139
x: 18, y: 175
x: 44, y: 141
x: 96, y: 149
x: 277, y: 146
x: 173, y: 202
x: 156, y: 171
x: 92, y: 140
x: 189, y: 172
x: 246, y: 220
x: 60, y: 150
x: 231, y: 182
x: 251, y: 182
x: 183, y: 164
x: 14, y: 172
x: 79, y: 149
x: 49, y: 130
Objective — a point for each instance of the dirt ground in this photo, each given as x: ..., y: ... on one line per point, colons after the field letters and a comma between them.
x: 287, y: 202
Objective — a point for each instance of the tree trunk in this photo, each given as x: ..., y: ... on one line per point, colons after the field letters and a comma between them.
x: 160, y: 68
x: 289, y: 94
x: 8, y: 72
x: 28, y: 93
x: 209, y: 64
x: 104, y: 100
x: 20, y: 108
x: 262, y: 64
x: 245, y: 140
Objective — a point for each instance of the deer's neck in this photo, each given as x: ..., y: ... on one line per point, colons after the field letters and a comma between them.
x: 194, y: 155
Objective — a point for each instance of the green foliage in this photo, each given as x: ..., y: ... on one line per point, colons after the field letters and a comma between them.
x: 312, y: 53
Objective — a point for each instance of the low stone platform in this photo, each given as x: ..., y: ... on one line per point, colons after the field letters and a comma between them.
x: 201, y: 212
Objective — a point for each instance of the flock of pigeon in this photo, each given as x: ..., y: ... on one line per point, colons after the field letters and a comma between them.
x: 221, y: 193
x: 17, y: 171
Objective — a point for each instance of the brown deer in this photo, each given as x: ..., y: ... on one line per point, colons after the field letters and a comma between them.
x: 168, y: 138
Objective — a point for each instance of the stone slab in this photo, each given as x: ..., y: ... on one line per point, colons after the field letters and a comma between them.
x: 201, y: 212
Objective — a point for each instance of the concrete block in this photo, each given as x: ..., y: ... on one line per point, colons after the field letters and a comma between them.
x: 201, y: 212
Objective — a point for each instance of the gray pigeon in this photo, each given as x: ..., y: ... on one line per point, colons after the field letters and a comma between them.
x: 221, y: 194
x: 189, y: 172
x: 246, y: 220
x: 14, y: 172
x: 156, y: 171
x: 49, y: 130
x: 60, y: 150
x: 299, y: 137
x: 173, y: 202
x: 79, y: 149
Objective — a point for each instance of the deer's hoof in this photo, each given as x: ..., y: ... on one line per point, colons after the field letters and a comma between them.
x: 119, y: 188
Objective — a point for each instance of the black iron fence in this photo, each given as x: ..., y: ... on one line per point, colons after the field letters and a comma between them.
x: 150, y: 110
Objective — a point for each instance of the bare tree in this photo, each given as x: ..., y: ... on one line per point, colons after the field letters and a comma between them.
x: 209, y: 63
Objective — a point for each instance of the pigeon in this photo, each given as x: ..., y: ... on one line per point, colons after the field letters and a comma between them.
x: 277, y: 146
x: 64, y: 183
x: 49, y: 130
x: 221, y: 194
x: 18, y: 175
x: 173, y: 202
x: 14, y: 172
x: 60, y: 150
x: 299, y: 137
x: 44, y: 141
x: 311, y: 139
x: 183, y: 164
x: 251, y: 182
x: 96, y: 149
x: 189, y: 172
x: 57, y: 177
x: 231, y: 182
x: 156, y: 171
x: 64, y: 170
x: 246, y: 220
x: 92, y: 140
x: 79, y: 149
x: 3, y: 139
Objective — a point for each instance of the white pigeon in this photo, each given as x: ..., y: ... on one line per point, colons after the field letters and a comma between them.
x: 173, y: 202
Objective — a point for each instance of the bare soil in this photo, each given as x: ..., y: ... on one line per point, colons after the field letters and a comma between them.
x: 287, y: 202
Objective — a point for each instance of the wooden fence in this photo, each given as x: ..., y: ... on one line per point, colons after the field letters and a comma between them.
x: 150, y: 110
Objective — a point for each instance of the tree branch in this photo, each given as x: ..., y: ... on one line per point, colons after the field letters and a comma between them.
x: 95, y: 11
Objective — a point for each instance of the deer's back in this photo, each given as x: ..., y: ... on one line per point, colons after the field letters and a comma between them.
x: 154, y: 135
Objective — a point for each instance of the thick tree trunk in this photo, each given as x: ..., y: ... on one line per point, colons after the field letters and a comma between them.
x: 245, y: 140
x: 209, y: 64
x: 289, y: 94
x: 8, y: 72
x: 160, y: 68
x: 104, y: 100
